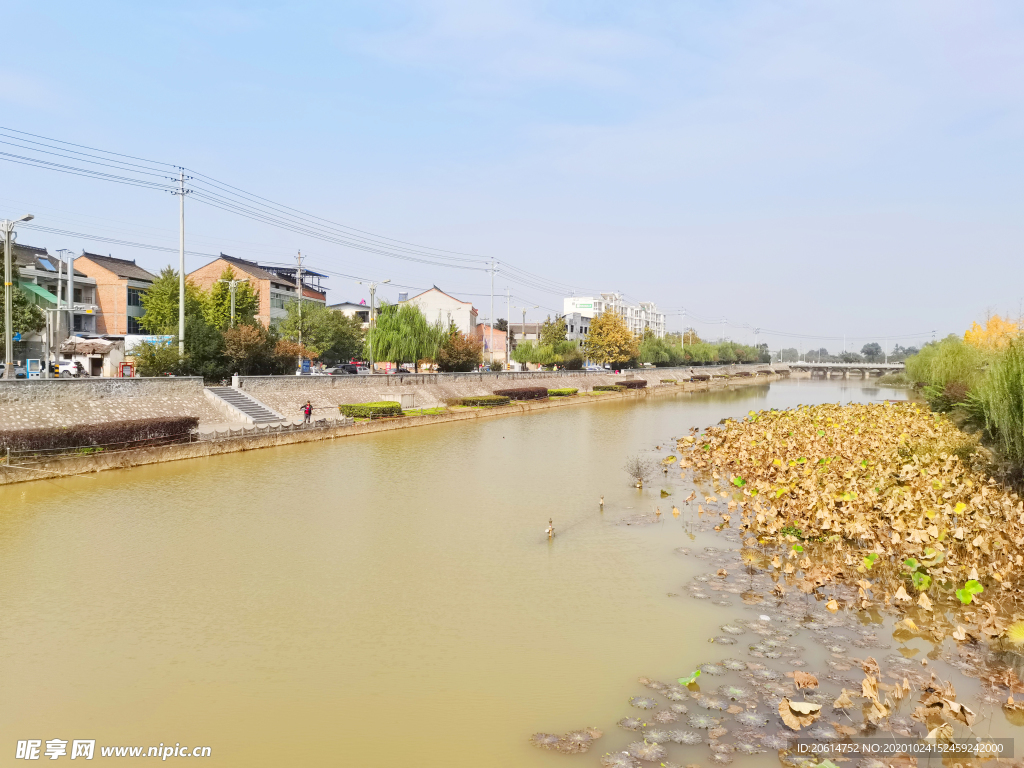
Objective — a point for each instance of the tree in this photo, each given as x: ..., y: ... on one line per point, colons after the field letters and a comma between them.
x: 872, y: 352
x: 326, y: 334
x: 160, y: 303
x: 690, y: 337
x: 402, y: 334
x: 610, y: 340
x: 249, y: 350
x: 553, y: 331
x: 459, y: 352
x: 217, y: 308
x: 763, y: 355
x: 997, y: 333
x: 157, y: 358
x: 204, y: 349
x: 26, y: 317
x: 501, y: 324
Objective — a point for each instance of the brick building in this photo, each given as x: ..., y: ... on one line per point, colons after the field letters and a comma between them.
x: 275, y: 285
x: 119, y: 285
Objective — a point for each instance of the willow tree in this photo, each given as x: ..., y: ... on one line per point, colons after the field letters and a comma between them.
x: 402, y: 334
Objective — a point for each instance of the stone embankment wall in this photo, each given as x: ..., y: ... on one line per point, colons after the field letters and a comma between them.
x: 29, y: 470
x: 287, y: 394
x: 63, y: 402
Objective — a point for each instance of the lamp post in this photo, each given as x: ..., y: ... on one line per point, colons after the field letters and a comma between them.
x: 535, y: 306
x: 373, y: 313
x: 8, y: 231
x: 232, y: 285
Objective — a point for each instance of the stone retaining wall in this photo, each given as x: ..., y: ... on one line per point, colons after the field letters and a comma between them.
x: 287, y: 394
x: 63, y: 402
x: 74, y: 465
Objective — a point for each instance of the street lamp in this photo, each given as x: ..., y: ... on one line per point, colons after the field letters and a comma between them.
x: 232, y: 285
x: 535, y: 306
x: 373, y: 313
x: 7, y: 227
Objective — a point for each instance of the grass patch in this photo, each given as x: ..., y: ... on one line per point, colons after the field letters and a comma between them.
x: 895, y: 379
x: 564, y: 392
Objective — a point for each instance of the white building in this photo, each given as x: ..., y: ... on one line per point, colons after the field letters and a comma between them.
x: 437, y: 305
x: 638, y: 317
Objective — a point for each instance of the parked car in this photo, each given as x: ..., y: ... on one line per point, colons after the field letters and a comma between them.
x: 593, y: 368
x: 67, y: 369
x: 19, y: 371
x: 338, y: 370
x: 354, y: 368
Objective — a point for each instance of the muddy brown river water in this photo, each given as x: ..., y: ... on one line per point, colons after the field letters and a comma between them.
x: 384, y: 600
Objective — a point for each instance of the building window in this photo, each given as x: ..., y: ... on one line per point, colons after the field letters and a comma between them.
x: 133, y: 324
x: 276, y: 303
x: 134, y: 297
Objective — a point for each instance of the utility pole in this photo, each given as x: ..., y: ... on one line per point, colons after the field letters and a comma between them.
x: 508, y: 328
x: 373, y: 313
x: 8, y: 233
x: 181, y: 192
x: 232, y: 285
x: 490, y: 341
x: 298, y: 286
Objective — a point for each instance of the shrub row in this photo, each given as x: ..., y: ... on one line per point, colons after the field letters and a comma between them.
x: 117, y: 435
x: 523, y: 393
x: 668, y: 381
x: 488, y: 400
x: 608, y: 388
x: 564, y: 392
x: 633, y: 383
x: 371, y: 410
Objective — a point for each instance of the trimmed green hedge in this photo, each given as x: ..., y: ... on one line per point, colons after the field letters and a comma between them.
x: 371, y: 410
x: 633, y: 383
x: 564, y: 392
x: 488, y: 400
x: 523, y: 393
x: 608, y: 388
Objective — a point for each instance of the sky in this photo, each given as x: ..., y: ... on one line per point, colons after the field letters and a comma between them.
x: 811, y: 169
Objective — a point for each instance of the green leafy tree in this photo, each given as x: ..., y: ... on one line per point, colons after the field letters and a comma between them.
x: 217, y: 307
x: 872, y: 352
x: 501, y: 324
x: 610, y: 340
x: 204, y: 349
x: 327, y: 335
x: 402, y: 334
x: 553, y: 331
x: 160, y: 303
x: 459, y: 352
x: 157, y: 359
x: 26, y: 317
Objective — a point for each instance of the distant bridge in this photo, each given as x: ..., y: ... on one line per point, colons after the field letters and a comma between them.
x: 829, y: 370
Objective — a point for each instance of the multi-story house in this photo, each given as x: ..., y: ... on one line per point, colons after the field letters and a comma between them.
x: 119, y: 287
x: 438, y: 306
x: 638, y: 317
x: 44, y: 280
x: 276, y: 285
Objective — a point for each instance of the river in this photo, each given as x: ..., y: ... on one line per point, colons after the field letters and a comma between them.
x: 382, y: 600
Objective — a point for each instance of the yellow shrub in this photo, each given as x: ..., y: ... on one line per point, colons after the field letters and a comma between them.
x: 996, y: 334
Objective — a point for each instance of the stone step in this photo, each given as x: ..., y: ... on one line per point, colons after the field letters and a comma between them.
x: 250, y: 406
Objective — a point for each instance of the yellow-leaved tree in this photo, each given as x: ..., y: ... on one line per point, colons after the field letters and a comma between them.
x: 610, y: 340
x: 997, y: 334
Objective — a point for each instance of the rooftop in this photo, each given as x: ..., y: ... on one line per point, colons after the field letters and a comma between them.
x: 126, y: 268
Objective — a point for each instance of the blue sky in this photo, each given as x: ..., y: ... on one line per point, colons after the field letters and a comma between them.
x: 808, y: 167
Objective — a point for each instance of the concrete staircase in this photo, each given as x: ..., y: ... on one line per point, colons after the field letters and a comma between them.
x: 243, y: 407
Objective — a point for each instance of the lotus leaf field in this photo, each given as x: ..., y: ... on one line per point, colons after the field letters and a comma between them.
x: 841, y: 525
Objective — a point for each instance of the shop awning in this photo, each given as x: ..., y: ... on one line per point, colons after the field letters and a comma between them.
x: 38, y: 291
